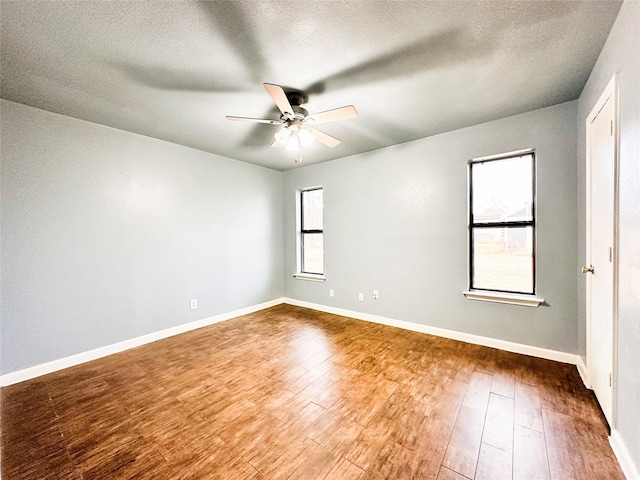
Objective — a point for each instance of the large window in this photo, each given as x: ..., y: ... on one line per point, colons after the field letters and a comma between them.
x: 502, y: 223
x: 311, y: 244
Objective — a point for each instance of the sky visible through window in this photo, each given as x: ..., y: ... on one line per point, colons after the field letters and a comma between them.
x: 501, y: 187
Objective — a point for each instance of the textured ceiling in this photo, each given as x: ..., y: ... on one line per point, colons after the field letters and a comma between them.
x: 173, y: 70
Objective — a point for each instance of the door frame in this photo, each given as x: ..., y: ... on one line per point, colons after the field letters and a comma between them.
x: 610, y: 92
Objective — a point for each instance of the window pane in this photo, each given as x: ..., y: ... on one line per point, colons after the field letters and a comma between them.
x: 503, y: 259
x: 502, y: 190
x: 312, y: 253
x: 312, y: 209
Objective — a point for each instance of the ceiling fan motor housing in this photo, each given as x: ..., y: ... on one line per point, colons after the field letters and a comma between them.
x: 299, y: 112
x: 296, y: 98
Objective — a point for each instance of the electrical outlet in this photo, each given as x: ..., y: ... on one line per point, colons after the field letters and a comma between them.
x: 361, y: 297
x: 375, y: 294
x: 331, y: 294
x: 194, y: 303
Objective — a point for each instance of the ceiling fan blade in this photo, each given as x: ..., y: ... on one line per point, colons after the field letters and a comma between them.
x: 322, y: 137
x: 278, y: 95
x: 254, y: 120
x: 340, y: 113
x: 276, y: 143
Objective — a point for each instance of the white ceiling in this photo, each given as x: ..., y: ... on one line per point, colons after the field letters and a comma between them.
x: 173, y: 70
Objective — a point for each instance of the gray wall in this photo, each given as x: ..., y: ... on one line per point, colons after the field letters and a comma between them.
x: 395, y: 221
x: 107, y: 235
x: 620, y: 54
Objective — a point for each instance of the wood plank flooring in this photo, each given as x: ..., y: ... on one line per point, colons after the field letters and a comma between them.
x: 292, y: 393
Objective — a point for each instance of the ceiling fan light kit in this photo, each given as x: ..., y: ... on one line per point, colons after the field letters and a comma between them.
x: 294, y: 136
x: 297, y: 131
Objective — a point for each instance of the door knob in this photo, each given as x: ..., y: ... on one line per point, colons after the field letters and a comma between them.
x: 588, y: 269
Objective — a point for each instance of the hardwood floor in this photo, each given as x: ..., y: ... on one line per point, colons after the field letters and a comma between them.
x: 291, y: 393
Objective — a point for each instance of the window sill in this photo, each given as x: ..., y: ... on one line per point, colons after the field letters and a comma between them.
x: 499, y: 297
x: 309, y: 276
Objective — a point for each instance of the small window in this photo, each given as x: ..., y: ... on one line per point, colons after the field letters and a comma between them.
x: 502, y: 223
x: 311, y: 241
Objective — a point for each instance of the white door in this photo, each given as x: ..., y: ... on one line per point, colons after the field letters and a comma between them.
x: 601, y: 174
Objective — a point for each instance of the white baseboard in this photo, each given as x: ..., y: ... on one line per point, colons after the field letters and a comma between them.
x: 584, y: 373
x: 452, y: 334
x: 622, y: 454
x: 55, y: 365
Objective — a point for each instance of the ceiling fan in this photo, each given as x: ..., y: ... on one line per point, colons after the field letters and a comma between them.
x: 297, y: 125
